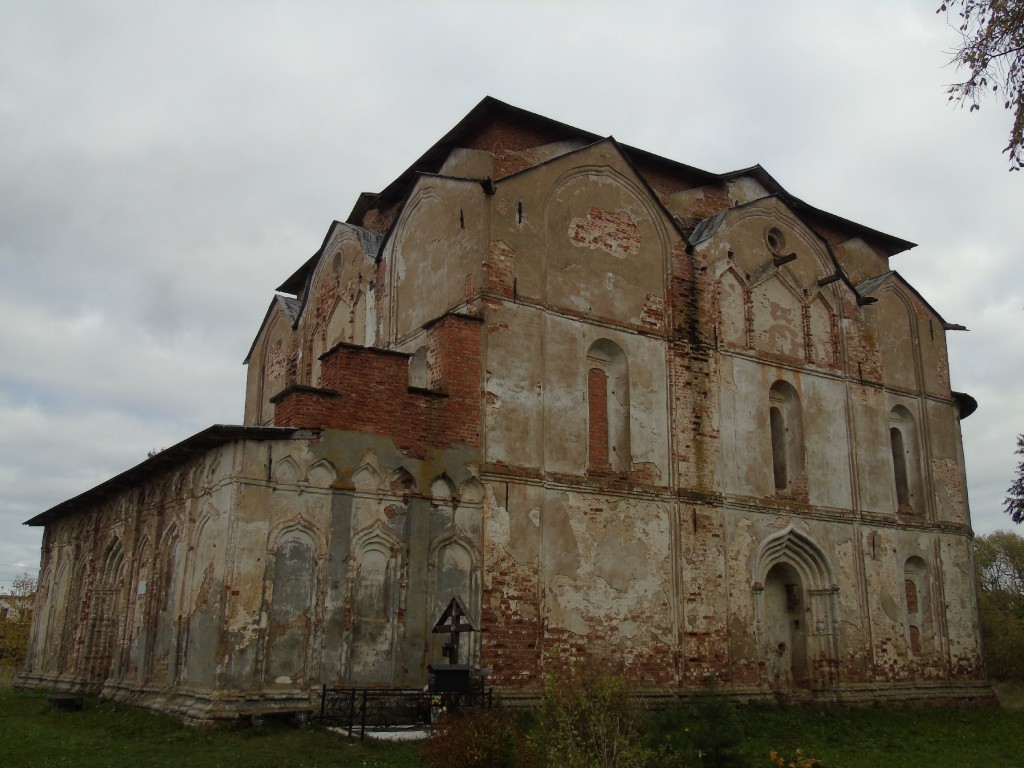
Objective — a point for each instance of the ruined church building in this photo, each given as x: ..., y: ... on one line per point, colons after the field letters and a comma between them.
x: 612, y: 403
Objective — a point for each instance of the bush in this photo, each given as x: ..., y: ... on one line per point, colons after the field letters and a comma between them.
x: 589, y: 719
x: 474, y: 738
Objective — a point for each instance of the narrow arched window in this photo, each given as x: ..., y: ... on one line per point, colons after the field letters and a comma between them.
x: 915, y: 640
x: 910, y: 591
x: 787, y: 440
x: 906, y: 467
x: 778, y: 426
x: 597, y: 412
x: 608, y: 408
x: 899, y: 466
x: 917, y: 603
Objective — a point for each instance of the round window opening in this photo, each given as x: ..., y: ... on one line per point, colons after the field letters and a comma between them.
x: 776, y: 240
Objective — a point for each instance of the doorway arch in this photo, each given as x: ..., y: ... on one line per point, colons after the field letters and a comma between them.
x: 796, y: 620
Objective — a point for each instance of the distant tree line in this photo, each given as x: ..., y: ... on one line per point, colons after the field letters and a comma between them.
x: 999, y: 560
x: 15, y: 621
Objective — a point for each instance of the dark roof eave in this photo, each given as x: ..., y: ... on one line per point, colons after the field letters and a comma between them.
x: 432, y: 160
x: 638, y: 156
x: 297, y: 281
x: 870, y: 286
x: 893, y: 244
x: 198, y: 443
x: 275, y: 302
x: 965, y: 404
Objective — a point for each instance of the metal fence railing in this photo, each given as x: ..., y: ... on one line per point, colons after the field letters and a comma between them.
x: 375, y: 708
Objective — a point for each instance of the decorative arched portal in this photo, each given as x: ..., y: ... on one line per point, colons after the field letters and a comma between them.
x: 163, y: 652
x: 454, y: 574
x: 292, y: 572
x: 795, y: 603
x: 374, y: 600
x: 104, y: 615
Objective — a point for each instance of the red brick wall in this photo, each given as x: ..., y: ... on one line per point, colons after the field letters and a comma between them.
x: 367, y: 390
x: 597, y: 405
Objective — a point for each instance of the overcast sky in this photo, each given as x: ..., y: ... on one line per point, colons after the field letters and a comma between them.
x: 164, y: 166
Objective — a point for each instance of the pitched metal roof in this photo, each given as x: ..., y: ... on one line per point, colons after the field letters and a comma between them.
x: 199, y: 443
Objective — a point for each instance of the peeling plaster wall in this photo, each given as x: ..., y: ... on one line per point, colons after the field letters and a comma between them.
x: 308, y: 561
x: 433, y: 254
x: 268, y: 367
x: 587, y: 238
x: 614, y: 407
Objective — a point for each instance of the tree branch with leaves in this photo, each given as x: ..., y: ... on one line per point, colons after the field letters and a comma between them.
x: 1014, y: 500
x: 992, y: 53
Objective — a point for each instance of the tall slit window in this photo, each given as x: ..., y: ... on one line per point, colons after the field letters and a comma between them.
x: 906, y: 469
x: 779, y: 465
x: 899, y: 466
x: 787, y: 441
x: 608, y: 428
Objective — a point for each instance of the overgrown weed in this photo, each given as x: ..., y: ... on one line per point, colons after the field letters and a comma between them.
x: 590, y: 718
x: 1010, y: 694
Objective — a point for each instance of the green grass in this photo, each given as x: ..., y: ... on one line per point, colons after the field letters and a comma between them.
x: 32, y: 734
x: 929, y: 737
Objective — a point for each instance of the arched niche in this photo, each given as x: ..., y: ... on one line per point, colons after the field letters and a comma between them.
x: 906, y: 461
x: 607, y: 244
x: 442, y: 490
x: 608, y: 398
x: 163, y: 654
x: 472, y: 491
x: 104, y: 617
x: 785, y: 420
x: 366, y: 479
x: 72, y: 628
x: 286, y: 471
x: 454, y: 572
x: 469, y: 514
x: 917, y: 603
x: 442, y: 503
x: 420, y: 246
x: 895, y: 330
x: 336, y: 301
x: 345, y: 285
x: 292, y: 606
x: 273, y: 364
x: 375, y: 565
x: 821, y: 325
x: 322, y: 474
x: 205, y: 596
x: 316, y: 345
x: 419, y: 372
x: 732, y: 310
x: 52, y: 633
x: 401, y: 483
x: 777, y: 315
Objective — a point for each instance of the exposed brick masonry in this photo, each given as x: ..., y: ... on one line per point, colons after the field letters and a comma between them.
x: 365, y: 389
x: 597, y: 400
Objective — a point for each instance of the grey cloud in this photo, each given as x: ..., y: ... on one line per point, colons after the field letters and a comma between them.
x: 173, y: 163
